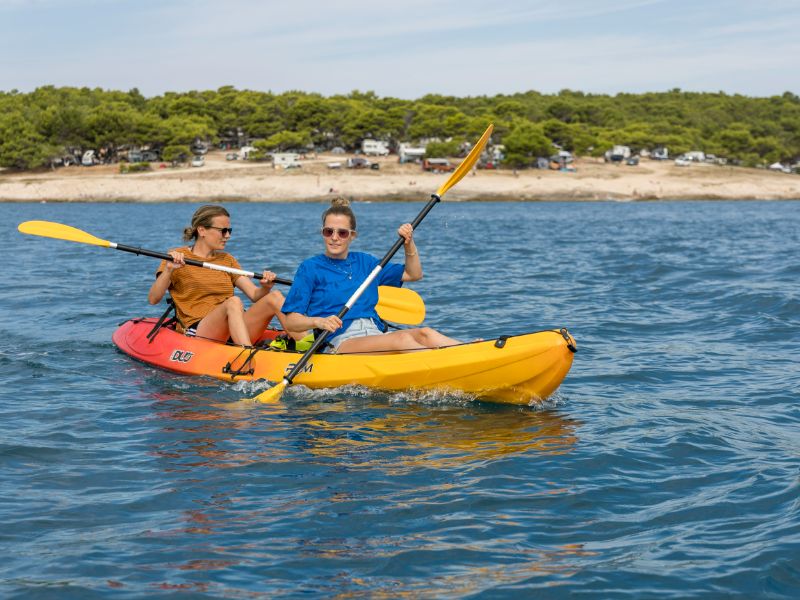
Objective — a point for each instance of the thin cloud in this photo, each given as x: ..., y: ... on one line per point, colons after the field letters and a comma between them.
x: 405, y: 50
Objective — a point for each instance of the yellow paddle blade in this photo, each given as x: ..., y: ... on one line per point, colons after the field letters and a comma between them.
x: 60, y: 232
x: 467, y: 163
x: 400, y: 305
x: 272, y: 395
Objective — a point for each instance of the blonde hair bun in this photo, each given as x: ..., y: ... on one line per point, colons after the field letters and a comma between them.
x: 340, y: 201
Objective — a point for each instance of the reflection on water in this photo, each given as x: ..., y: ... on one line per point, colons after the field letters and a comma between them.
x: 332, y: 477
x: 439, y: 437
x: 359, y: 432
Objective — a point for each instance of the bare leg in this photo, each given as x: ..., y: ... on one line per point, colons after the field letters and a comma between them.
x: 260, y: 314
x: 405, y: 339
x: 226, y: 320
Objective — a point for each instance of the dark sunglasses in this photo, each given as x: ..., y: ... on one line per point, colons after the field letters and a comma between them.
x: 343, y: 233
x: 223, y: 230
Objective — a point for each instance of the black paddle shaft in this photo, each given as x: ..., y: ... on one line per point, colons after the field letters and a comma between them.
x: 321, y: 339
x: 189, y: 261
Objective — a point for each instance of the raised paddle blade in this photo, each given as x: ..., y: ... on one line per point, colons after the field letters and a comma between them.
x: 272, y: 395
x: 60, y: 232
x: 400, y: 305
x: 467, y: 163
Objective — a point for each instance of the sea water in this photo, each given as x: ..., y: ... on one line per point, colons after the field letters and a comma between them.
x: 667, y: 464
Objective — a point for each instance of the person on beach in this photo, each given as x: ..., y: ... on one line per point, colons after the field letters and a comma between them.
x: 324, y: 283
x: 204, y: 299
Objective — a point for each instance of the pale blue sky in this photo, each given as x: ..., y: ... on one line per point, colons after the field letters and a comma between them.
x: 403, y: 48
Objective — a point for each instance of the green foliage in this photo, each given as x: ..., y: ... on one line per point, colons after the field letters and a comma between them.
x: 175, y: 152
x: 134, y: 167
x: 442, y: 149
x: 50, y: 121
x: 21, y: 145
x: 525, y: 143
x: 284, y: 140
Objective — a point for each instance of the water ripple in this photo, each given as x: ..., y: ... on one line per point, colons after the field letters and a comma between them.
x: 667, y: 465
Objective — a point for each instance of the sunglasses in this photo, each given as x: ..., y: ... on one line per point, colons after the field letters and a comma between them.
x: 342, y: 233
x: 222, y: 230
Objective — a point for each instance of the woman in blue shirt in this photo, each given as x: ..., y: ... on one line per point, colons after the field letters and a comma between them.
x: 324, y: 283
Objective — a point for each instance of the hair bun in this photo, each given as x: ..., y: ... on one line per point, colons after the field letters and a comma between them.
x: 340, y: 201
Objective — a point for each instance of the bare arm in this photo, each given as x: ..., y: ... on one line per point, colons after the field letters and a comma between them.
x: 256, y: 293
x: 298, y: 322
x: 164, y: 279
x: 413, y: 267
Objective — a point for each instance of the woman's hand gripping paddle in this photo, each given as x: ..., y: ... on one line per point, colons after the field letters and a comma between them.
x: 397, y: 305
x: 274, y: 393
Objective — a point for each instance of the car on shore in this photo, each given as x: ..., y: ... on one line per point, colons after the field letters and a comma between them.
x: 437, y: 165
x: 198, y: 161
x: 358, y: 162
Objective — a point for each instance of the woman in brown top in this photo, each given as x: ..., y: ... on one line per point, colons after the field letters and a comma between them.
x: 204, y: 300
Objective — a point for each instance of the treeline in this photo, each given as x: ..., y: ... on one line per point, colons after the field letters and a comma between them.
x: 50, y: 122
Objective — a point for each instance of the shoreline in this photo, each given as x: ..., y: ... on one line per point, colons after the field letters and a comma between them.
x: 236, y: 181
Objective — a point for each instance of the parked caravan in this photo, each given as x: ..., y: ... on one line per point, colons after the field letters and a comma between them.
x: 375, y: 148
x: 286, y: 160
x: 358, y: 162
x: 695, y: 155
x: 660, y: 153
x: 618, y: 154
x: 407, y: 153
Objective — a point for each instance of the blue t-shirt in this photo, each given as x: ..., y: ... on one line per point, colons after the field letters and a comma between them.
x: 323, y: 285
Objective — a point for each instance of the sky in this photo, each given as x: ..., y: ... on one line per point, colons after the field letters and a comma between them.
x: 403, y: 49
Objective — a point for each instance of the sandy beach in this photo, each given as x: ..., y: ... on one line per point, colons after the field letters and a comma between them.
x: 225, y: 180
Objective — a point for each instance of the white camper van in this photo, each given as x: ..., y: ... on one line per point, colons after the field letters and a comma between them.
x: 408, y: 153
x: 286, y: 160
x: 618, y: 154
x: 375, y: 148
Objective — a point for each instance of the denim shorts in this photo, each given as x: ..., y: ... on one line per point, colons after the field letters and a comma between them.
x: 358, y: 328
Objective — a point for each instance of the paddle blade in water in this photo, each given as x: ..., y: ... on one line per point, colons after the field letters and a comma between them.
x: 272, y: 395
x: 400, y: 305
x: 467, y: 163
x: 61, y: 232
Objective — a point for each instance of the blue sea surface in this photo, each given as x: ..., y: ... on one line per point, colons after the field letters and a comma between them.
x: 667, y: 465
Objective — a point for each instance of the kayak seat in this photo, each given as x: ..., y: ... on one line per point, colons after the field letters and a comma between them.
x: 165, y: 320
x: 286, y: 343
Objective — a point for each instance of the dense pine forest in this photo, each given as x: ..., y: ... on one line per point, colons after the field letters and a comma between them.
x: 42, y: 127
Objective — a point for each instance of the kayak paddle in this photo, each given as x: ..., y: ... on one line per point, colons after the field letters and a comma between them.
x: 397, y: 305
x: 273, y: 394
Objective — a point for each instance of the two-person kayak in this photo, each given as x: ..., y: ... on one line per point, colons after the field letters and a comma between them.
x: 515, y: 369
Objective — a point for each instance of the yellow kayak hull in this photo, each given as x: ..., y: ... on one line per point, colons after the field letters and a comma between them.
x: 515, y: 369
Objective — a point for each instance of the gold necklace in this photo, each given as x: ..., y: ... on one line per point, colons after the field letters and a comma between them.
x: 337, y: 264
